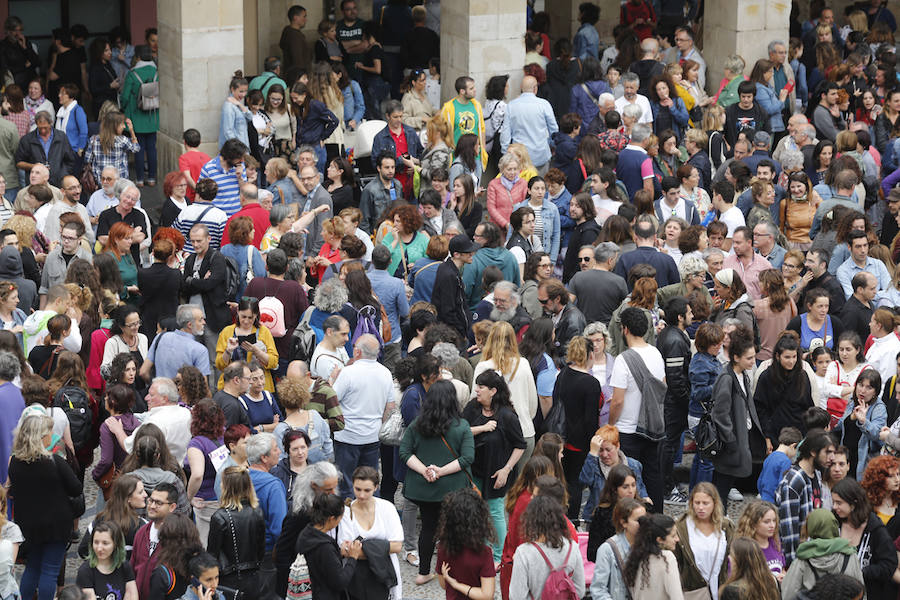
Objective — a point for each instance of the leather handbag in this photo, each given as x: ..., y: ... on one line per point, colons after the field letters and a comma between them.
x: 107, y: 479
x: 704, y: 593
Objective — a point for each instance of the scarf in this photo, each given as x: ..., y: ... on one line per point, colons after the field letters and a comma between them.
x: 32, y: 105
x: 822, y: 526
x: 63, y: 114
x: 507, y: 183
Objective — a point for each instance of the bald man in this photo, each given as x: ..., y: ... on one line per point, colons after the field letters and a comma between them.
x: 796, y: 137
x: 530, y: 121
x: 71, y: 193
x: 39, y: 174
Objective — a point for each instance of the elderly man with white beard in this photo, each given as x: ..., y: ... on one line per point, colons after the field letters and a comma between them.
x: 104, y: 197
x: 508, y: 307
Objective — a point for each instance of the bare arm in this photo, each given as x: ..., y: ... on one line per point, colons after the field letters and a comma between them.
x: 197, y: 465
x: 615, y: 405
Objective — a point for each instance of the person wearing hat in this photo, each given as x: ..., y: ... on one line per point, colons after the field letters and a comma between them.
x: 825, y: 551
x: 733, y: 301
x: 449, y: 296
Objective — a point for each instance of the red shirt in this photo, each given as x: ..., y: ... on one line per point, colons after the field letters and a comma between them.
x: 468, y: 568
x: 193, y: 162
x: 333, y: 256
x: 260, y: 218
x: 402, y: 148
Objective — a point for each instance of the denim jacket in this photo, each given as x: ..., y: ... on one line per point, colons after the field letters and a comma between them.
x: 869, y: 442
x: 772, y: 106
x: 608, y: 582
x: 592, y: 476
x: 550, y: 216
x: 703, y: 372
x: 354, y: 105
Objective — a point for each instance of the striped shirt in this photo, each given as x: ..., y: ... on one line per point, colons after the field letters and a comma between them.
x: 214, y: 219
x: 229, y: 196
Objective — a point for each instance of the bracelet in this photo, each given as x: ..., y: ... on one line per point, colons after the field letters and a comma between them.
x: 467, y: 593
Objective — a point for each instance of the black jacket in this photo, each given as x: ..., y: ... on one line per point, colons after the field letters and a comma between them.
x: 780, y: 403
x: 582, y: 234
x: 329, y: 574
x: 570, y: 324
x: 14, y: 58
x: 878, y: 560
x: 856, y: 316
x: 11, y: 270
x: 159, y: 284
x: 675, y: 347
x: 704, y: 166
x: 249, y: 539
x: 517, y: 241
x: 449, y: 297
x: 283, y: 472
x: 742, y: 448
x: 60, y: 161
x: 286, y: 547
x: 830, y: 284
x: 375, y: 576
x: 211, y: 289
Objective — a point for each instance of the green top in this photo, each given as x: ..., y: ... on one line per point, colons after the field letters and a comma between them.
x: 264, y: 81
x: 415, y: 250
x: 729, y: 93
x: 433, y: 451
x: 823, y: 530
x: 465, y: 119
x: 144, y: 121
x: 129, y: 274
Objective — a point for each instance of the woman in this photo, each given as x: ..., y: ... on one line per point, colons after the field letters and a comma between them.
x: 123, y: 370
x: 881, y: 481
x: 125, y: 337
x: 691, y: 80
x: 438, y: 151
x: 495, y: 94
x: 237, y: 533
x: 863, y: 419
x: 327, y: 49
x: 153, y: 463
x: 798, y: 211
x: 537, y: 346
x: 464, y: 559
x: 119, y: 403
x: 103, y: 82
x: 36, y: 101
x: 763, y: 194
x: 71, y: 118
x: 118, y: 244
x: 704, y: 540
x: 241, y: 250
x: 175, y: 187
x: 466, y: 161
x: 43, y: 358
x: 772, y: 104
x: 816, y: 322
x: 106, y: 570
x: 691, y: 191
x: 750, y: 576
x: 669, y: 155
x: 260, y: 405
x: 341, y: 185
x: 235, y: 440
x: 621, y: 483
x: 505, y: 191
x: 178, y: 543
x: 283, y: 183
x: 38, y: 399
x: 672, y: 229
x: 584, y: 94
x: 882, y: 354
x: 354, y: 103
x: 538, y: 267
x: 294, y: 460
x: 330, y: 576
x: 865, y: 532
x: 235, y: 115
x: 651, y: 569
x: 126, y: 498
x: 315, y: 123
x: 465, y: 204
x: 735, y: 416
x: 783, y: 391
x: 733, y: 300
x: 14, y: 103
x: 547, y: 218
x: 282, y: 121
x: 498, y: 445
x: 435, y: 467
x: 868, y: 109
x: 248, y: 340
x: 821, y: 160
x: 294, y: 397
x: 608, y: 581
x: 669, y: 112
x: 841, y: 374
x: 157, y: 284
x: 823, y: 552
x: 885, y: 122
x: 323, y: 86
x: 417, y: 110
x: 43, y: 485
x: 33, y: 245
x: 281, y: 217
x: 12, y: 318
x: 759, y: 523
x: 605, y: 454
x: 207, y: 429
x: 110, y: 147
x: 406, y: 241
x: 643, y: 296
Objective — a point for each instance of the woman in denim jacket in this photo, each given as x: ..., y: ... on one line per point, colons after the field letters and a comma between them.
x: 703, y: 372
x: 863, y: 419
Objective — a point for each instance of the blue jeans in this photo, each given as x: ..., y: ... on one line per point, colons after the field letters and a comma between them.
x: 148, y: 148
x: 347, y: 457
x: 42, y: 570
x: 701, y: 469
x: 321, y: 156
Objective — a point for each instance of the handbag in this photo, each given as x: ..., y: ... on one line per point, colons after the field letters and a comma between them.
x: 107, y: 479
x: 392, y: 430
x: 704, y: 593
x: 87, y: 179
x: 456, y: 456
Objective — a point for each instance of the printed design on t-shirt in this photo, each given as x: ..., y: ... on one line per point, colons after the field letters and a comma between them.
x: 745, y: 123
x: 112, y: 593
x: 466, y: 122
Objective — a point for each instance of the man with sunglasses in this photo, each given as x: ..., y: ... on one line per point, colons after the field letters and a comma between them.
x: 598, y: 291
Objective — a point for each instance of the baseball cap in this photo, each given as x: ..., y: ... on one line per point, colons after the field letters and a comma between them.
x: 462, y: 243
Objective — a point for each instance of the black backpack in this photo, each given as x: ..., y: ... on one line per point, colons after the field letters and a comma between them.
x: 76, y: 403
x: 232, y: 278
x: 304, y: 339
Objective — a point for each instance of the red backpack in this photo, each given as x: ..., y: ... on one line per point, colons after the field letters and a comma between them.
x: 559, y: 584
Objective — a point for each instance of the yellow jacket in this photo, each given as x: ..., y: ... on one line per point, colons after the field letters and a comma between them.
x: 262, y: 335
x: 448, y: 111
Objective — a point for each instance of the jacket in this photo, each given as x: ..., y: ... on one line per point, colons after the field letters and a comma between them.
x: 438, y: 155
x: 883, y: 128
x: 55, y: 267
x: 741, y: 449
x: 582, y: 234
x: 584, y: 103
x: 500, y: 201
x: 329, y: 574
x: 77, y: 127
x: 243, y: 531
x: 780, y: 404
x: 869, y: 444
x: 703, y: 372
x: 142, y: 561
x: 771, y: 105
x: 804, y: 573
x: 878, y: 560
x: 675, y: 347
x: 485, y: 257
x: 550, y: 240
x: 60, y: 158
x: 318, y: 125
x: 571, y: 323
x: 592, y: 476
x: 145, y: 121
x: 742, y: 310
x: 272, y: 502
x: 314, y: 239
x: 691, y: 578
x: 11, y: 270
x: 233, y: 124
x: 211, y: 289
x: 690, y: 211
x: 448, y: 220
x: 374, y: 201
x: 157, y: 283
x: 608, y: 582
x: 375, y: 576
x: 383, y: 142
x: 679, y: 114
x: 566, y: 148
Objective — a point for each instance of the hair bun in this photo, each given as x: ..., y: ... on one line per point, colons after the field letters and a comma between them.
x: 239, y: 74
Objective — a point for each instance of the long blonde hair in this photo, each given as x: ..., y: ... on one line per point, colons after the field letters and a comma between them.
x: 521, y: 153
x: 717, y: 518
x: 438, y: 129
x: 502, y: 348
x: 109, y: 127
x: 752, y: 515
x: 28, y: 438
x: 237, y: 489
x: 323, y: 87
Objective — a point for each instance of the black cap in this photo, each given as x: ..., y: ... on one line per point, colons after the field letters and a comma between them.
x: 462, y: 243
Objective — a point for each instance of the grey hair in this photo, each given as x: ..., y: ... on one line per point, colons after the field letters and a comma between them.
x: 44, y: 116
x: 201, y: 227
x: 185, y: 314
x: 279, y: 213
x: 632, y: 111
x: 735, y: 63
x: 630, y: 77
x: 605, y: 251
x: 732, y: 322
x: 506, y: 159
x: 640, y: 132
x: 259, y: 445
x: 331, y: 295
x: 691, y: 265
x: 368, y: 346
x: 510, y: 287
x: 605, y: 97
x: 391, y: 106
x: 250, y: 191
x: 773, y: 43
x: 810, y: 130
x: 306, y: 148
x: 447, y: 353
x: 167, y: 388
x: 710, y: 252
x: 792, y: 159
x: 595, y: 328
x: 771, y: 229
x: 10, y: 367
x: 315, y: 474
x: 123, y: 184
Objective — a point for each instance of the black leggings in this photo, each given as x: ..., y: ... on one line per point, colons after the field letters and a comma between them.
x: 429, y: 512
x: 572, y: 462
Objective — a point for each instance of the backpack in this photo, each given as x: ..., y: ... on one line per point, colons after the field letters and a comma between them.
x: 148, y: 95
x: 365, y: 323
x: 232, y: 278
x: 299, y: 584
x: 303, y: 340
x: 76, y: 403
x: 559, y: 584
x: 706, y: 436
x: 651, y: 421
x: 271, y: 313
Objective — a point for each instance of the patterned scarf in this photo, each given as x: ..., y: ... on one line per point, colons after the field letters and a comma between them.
x: 32, y: 105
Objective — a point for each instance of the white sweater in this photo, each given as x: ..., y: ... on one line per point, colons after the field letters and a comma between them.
x: 522, y: 391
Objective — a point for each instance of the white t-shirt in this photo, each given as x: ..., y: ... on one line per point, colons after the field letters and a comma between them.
x: 324, y: 361
x: 386, y: 526
x: 536, y: 246
x: 733, y: 218
x: 621, y: 378
x: 605, y: 204
x: 679, y: 211
x: 367, y: 241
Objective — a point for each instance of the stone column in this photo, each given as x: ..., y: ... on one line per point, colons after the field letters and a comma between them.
x: 564, y: 18
x: 480, y: 39
x: 201, y: 45
x: 743, y: 27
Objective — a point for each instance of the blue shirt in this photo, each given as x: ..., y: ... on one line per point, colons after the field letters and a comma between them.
x: 272, y: 498
x: 529, y: 121
x: 586, y: 42
x: 233, y: 124
x: 391, y: 293
x: 13, y: 404
x: 171, y: 351
x: 46, y: 144
x: 774, y: 467
x: 874, y: 266
x: 776, y: 257
x: 228, y: 197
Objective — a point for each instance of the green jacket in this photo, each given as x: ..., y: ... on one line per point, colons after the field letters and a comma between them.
x: 433, y: 451
x: 729, y: 93
x: 265, y: 80
x: 666, y: 293
x: 144, y: 121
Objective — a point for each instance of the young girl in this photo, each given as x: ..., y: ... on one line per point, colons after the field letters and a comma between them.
x: 759, y: 522
x: 620, y: 483
x: 204, y: 571
x: 330, y: 567
x: 651, y: 571
x: 749, y: 577
x: 714, y: 125
x: 262, y: 124
x: 608, y: 580
x: 819, y: 359
x: 106, y: 572
x: 465, y: 564
x: 841, y: 375
x: 704, y: 535
x: 862, y: 421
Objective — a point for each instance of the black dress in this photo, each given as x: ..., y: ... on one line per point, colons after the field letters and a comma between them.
x: 342, y: 198
x: 159, y: 285
x: 493, y: 448
x: 100, y: 76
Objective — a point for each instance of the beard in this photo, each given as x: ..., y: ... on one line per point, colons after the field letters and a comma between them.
x: 503, y: 315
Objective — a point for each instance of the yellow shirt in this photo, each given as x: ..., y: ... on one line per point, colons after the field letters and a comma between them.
x: 264, y: 337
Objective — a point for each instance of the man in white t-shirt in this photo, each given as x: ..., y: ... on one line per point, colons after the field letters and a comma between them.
x: 330, y: 356
x: 731, y: 215
x: 626, y: 402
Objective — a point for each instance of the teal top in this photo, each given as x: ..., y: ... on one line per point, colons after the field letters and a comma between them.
x: 415, y: 250
x: 433, y: 451
x: 129, y: 274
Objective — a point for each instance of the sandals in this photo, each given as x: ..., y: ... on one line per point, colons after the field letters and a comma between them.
x: 412, y: 557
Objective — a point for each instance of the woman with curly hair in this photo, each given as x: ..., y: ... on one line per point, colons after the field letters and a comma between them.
x: 750, y: 577
x: 881, y: 480
x: 207, y: 429
x: 464, y: 560
x: 176, y: 237
x: 192, y: 385
x: 759, y: 522
x: 119, y: 403
x: 405, y: 240
x: 123, y: 369
x: 294, y: 396
x: 651, y: 570
x: 548, y: 543
x: 178, y: 543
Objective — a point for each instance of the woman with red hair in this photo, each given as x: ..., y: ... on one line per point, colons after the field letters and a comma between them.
x: 881, y: 480
x: 175, y: 187
x: 118, y: 243
x: 207, y: 431
x: 174, y: 236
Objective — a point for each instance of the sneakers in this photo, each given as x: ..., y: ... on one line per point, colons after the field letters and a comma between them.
x: 735, y: 496
x: 676, y: 497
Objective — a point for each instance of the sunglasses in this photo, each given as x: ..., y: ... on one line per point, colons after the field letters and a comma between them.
x: 584, y: 259
x: 545, y: 301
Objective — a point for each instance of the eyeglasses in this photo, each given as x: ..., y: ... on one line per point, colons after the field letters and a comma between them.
x: 544, y: 301
x: 154, y: 502
x: 68, y: 238
x: 545, y: 265
x: 135, y: 324
x: 584, y: 259
x: 107, y: 178
x: 790, y: 266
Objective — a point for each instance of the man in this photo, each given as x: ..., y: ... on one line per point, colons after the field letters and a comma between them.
x: 204, y: 285
x: 760, y: 154
x: 746, y: 114
x: 715, y: 260
x: 598, y: 291
x: 145, y: 122
x: 9, y: 143
x: 172, y: 350
x: 271, y: 74
x: 817, y: 267
x: 162, y: 502
x: 783, y: 74
x: 568, y: 321
x: 46, y: 145
x: 693, y: 272
x: 766, y: 170
x: 13, y: 405
x: 70, y: 203
x: 391, y: 292
x: 463, y: 114
x: 350, y: 35
x: 683, y: 50
x: 104, y: 197
x: 630, y: 85
x: 610, y: 136
x: 315, y: 198
x: 39, y: 175
x: 236, y: 379
x: 59, y: 302
x: 202, y: 212
x: 797, y: 136
x: 508, y: 307
x: 19, y: 54
x: 634, y: 166
x: 421, y: 44
x: 889, y: 226
x: 741, y: 151
x: 364, y: 389
x: 844, y: 184
x: 323, y: 398
x: 449, y: 296
x: 250, y: 207
x: 746, y: 262
x: 491, y: 253
x: 530, y: 121
x: 400, y: 141
x: 860, y: 260
x: 163, y: 411
x: 227, y: 170
x: 764, y: 241
x: 583, y: 211
x: 128, y: 212
x: 826, y: 116
x: 648, y: 66
x: 646, y: 252
x: 857, y: 311
x: 675, y: 347
x: 800, y: 489
x: 380, y: 192
x: 625, y: 404
x: 330, y: 356
x: 672, y: 204
x: 262, y: 456
x: 812, y: 36
x: 729, y: 214
x: 57, y: 262
x: 437, y: 217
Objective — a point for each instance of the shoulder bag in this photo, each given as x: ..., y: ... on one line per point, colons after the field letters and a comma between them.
x: 704, y: 593
x: 615, y: 548
x: 456, y: 456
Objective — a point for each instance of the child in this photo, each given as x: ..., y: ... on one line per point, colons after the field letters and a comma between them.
x: 819, y: 359
x: 778, y: 462
x: 759, y: 522
x: 192, y: 160
x: 613, y: 74
x: 329, y: 575
x: 106, y: 573
x: 204, y: 570
x: 840, y: 376
x: 816, y: 418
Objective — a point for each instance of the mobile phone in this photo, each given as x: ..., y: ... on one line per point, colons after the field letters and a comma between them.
x: 195, y: 582
x: 790, y: 86
x: 246, y: 338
